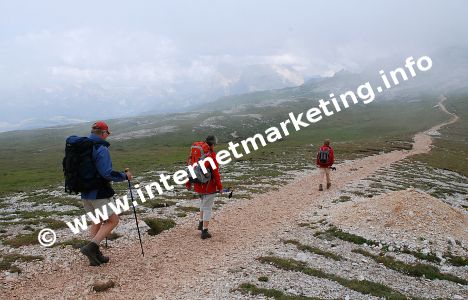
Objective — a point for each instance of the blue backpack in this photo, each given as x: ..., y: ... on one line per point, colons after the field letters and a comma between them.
x: 323, y: 155
x: 78, y: 165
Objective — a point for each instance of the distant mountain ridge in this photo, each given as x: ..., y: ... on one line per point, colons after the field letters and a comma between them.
x: 449, y: 73
x: 87, y: 101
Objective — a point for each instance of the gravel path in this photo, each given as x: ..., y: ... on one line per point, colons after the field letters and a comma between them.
x: 179, y: 265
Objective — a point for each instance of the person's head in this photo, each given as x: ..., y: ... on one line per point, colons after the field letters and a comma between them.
x: 326, y: 142
x: 101, y: 129
x: 211, y: 140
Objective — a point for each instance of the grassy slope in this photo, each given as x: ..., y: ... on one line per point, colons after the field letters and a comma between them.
x: 32, y: 160
x: 451, y: 148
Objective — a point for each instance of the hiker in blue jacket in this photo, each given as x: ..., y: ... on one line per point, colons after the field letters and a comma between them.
x: 103, y: 195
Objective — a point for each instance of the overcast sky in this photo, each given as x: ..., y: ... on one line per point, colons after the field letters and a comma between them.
x: 48, y: 46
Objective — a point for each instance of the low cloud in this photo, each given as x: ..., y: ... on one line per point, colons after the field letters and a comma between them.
x: 131, y: 58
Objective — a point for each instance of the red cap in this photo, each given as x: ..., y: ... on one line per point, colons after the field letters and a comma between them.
x: 101, y: 125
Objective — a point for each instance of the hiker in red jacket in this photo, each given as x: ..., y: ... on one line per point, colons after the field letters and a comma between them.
x: 207, y: 191
x: 325, y: 159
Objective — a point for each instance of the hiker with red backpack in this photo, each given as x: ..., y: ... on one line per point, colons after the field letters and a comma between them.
x: 325, y: 160
x: 208, y: 184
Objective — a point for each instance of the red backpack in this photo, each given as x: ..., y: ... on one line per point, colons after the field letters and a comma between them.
x: 199, y: 151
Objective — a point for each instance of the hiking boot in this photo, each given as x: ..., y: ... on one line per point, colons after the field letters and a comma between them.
x: 205, y: 234
x: 328, y: 185
x: 91, y: 250
x: 200, y: 225
x: 102, y: 259
x: 320, y: 187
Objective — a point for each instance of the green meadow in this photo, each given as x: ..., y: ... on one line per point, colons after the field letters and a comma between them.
x: 450, y: 151
x: 32, y: 159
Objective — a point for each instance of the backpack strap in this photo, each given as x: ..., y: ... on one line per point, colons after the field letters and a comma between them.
x: 96, y: 146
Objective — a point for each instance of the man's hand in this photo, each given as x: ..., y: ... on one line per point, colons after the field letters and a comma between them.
x: 129, y: 174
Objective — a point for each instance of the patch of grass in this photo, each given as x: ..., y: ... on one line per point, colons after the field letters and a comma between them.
x: 458, y: 261
x: 181, y: 215
x: 359, y: 193
x: 188, y: 209
x: 345, y: 236
x: 15, y: 269
x: 251, y: 289
x: 28, y: 227
x: 75, y: 243
x: 323, y: 235
x: 38, y: 198
x: 432, y: 257
x: 269, y: 172
x: 158, y: 225
x: 343, y: 198
x: 7, y: 261
x: 48, y: 222
x: 365, y: 287
x: 40, y: 213
x: 429, y: 256
x: 314, y: 250
x: 23, y: 240
x: 376, y: 185
x: 263, y: 278
x: 54, y: 224
x: 308, y: 225
x: 321, y: 221
x: 158, y: 203
x: 414, y: 270
x: 7, y: 218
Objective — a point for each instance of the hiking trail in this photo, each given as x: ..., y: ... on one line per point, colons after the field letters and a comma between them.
x: 177, y: 262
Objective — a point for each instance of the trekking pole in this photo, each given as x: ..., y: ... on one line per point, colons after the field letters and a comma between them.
x: 134, y: 213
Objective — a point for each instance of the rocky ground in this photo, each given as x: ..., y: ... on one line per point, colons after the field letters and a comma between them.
x: 414, y: 217
x: 394, y: 240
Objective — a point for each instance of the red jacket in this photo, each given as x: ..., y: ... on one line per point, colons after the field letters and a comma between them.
x: 214, y: 185
x: 331, y: 157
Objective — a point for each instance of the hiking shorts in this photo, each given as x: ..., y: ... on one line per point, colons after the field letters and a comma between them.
x: 324, y: 172
x: 206, y: 205
x: 91, y: 205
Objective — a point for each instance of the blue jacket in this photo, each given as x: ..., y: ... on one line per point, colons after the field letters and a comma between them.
x: 102, y: 159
